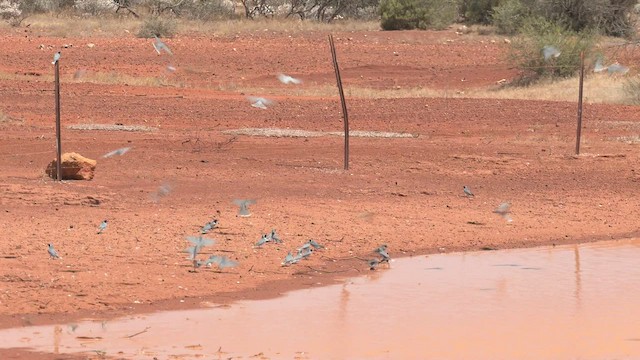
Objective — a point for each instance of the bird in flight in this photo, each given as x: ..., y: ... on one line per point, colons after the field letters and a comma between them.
x: 549, y: 52
x: 243, y: 211
x: 260, y: 102
x: 286, y: 79
x: 504, y: 210
x: 120, y: 152
x: 158, y: 45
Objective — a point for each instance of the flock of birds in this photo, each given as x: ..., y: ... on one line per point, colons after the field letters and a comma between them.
x: 302, y: 252
x: 551, y: 52
x: 305, y: 250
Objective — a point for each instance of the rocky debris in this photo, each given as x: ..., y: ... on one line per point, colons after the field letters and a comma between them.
x: 74, y: 167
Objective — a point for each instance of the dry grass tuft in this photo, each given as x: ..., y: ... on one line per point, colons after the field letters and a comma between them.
x: 597, y: 89
x: 276, y: 132
x: 628, y: 139
x: 5, y: 119
x: 112, y: 127
x: 76, y: 26
x: 113, y: 78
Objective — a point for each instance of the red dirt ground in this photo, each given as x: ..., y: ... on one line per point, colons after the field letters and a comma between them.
x: 406, y: 193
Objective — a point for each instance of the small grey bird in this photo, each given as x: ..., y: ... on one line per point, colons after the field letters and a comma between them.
x: 467, y: 191
x: 503, y: 210
x: 304, y: 247
x: 286, y: 79
x: 259, y: 102
x: 617, y: 69
x: 373, y: 264
x: 120, y: 152
x: 221, y: 261
x: 598, y: 66
x: 274, y: 237
x: 53, y: 253
x: 382, y: 250
x: 56, y: 57
x: 549, y: 52
x: 102, y: 227
x: 244, y: 206
x: 158, y: 45
x: 289, y: 260
x: 199, y: 242
x: 209, y: 226
x: 315, y: 244
x: 163, y: 190
x: 263, y: 240
x: 304, y: 253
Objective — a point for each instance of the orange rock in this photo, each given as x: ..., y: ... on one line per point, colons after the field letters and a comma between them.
x: 74, y: 167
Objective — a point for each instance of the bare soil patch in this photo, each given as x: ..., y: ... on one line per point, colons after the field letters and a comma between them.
x: 406, y: 193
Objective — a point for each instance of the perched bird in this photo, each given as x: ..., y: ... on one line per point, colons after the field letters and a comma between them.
x: 221, y: 261
x: 382, y: 250
x: 274, y: 237
x: 549, y: 51
x: 309, y: 244
x: 102, y: 227
x: 503, y: 210
x: 286, y: 79
x: 209, y: 226
x: 373, y: 264
x: 315, y: 244
x: 467, y: 191
x: 53, y: 253
x: 617, y: 69
x: 120, y: 152
x: 158, y: 45
x: 289, y: 260
x: 304, y: 247
x: 56, y: 57
x: 263, y: 240
x: 304, y: 253
x: 259, y: 102
x: 244, y: 206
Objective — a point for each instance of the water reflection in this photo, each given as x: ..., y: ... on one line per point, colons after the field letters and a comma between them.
x: 545, y: 303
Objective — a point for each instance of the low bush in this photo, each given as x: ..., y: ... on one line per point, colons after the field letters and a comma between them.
x: 159, y: 26
x: 417, y: 14
x: 537, y: 33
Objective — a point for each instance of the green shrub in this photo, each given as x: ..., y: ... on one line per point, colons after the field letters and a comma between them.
x: 610, y: 17
x: 478, y: 11
x: 417, y: 14
x: 159, y: 26
x: 536, y: 33
x: 509, y: 16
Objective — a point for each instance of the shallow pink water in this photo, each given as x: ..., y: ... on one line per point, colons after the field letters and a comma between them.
x: 570, y: 302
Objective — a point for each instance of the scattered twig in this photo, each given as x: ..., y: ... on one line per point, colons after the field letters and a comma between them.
x: 326, y: 271
x: 138, y: 333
